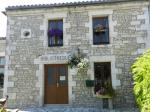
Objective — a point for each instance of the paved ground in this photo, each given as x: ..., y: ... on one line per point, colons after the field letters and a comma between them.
x: 70, y: 109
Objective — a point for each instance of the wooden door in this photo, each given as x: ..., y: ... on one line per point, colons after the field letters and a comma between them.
x: 56, y: 84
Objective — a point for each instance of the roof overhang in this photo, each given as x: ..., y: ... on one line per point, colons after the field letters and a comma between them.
x: 4, y: 12
x: 68, y: 4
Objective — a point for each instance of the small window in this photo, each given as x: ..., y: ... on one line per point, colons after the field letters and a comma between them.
x: 2, y: 64
x: 1, y: 79
x: 100, y: 30
x: 2, y: 61
x: 55, y: 33
x: 102, y: 74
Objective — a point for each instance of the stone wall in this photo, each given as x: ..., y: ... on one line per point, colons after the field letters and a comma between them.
x: 149, y: 11
x: 2, y: 44
x: 1, y: 93
x: 24, y: 68
x: 21, y: 54
x: 128, y: 29
x: 78, y: 32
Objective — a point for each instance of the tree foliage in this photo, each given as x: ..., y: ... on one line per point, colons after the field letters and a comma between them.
x: 141, y: 77
x: 3, y: 109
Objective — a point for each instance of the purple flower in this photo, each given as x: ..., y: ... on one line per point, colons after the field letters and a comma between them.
x: 55, y: 32
x: 101, y: 91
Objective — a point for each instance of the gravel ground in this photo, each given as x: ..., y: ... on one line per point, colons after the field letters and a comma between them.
x: 70, y: 109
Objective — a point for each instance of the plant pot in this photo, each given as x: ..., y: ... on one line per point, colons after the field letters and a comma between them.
x: 89, y: 83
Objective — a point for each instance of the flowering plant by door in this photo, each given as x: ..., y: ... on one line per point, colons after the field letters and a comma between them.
x: 78, y: 60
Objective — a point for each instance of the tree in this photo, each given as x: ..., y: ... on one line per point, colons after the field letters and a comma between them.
x: 141, y: 77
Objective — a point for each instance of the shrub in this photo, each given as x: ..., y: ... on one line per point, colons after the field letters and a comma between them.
x: 3, y: 109
x: 141, y: 77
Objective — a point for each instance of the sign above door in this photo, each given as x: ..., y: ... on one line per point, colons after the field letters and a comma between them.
x: 50, y: 58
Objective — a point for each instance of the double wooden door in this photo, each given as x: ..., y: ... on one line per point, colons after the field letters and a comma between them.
x: 56, y: 84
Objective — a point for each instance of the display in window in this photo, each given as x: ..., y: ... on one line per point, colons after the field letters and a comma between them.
x: 100, y: 30
x: 103, y: 85
x: 55, y: 33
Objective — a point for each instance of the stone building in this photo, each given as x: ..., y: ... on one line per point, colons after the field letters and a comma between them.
x: 40, y: 38
x: 2, y: 63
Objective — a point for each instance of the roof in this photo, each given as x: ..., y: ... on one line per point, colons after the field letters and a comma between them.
x: 67, y: 4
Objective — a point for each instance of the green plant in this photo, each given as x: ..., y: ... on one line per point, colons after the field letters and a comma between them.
x: 73, y: 61
x: 141, y: 77
x: 110, y: 89
x: 106, y: 90
x: 2, y: 109
x: 78, y: 61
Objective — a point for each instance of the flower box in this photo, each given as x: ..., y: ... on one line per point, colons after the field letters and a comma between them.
x: 89, y: 83
x: 106, y: 91
x: 103, y: 96
x: 99, y: 29
x: 55, y: 33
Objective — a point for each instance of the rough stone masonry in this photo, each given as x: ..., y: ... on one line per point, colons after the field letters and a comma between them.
x: 129, y: 37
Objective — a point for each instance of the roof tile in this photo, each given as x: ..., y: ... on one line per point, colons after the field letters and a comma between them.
x: 96, y: 2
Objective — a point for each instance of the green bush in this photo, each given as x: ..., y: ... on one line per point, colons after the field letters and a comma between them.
x: 141, y: 77
x: 3, y: 109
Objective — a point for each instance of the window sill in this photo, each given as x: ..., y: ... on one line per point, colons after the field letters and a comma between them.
x: 103, y: 96
x: 102, y: 45
x: 55, y: 46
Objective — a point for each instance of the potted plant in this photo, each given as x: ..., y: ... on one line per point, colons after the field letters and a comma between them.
x: 99, y: 29
x: 73, y: 61
x: 78, y: 62
x: 105, y: 91
x: 55, y: 33
x: 55, y: 36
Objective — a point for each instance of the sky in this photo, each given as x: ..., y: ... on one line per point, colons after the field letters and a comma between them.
x: 6, y: 3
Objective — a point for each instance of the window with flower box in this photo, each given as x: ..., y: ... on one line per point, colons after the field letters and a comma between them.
x: 2, y: 64
x: 55, y: 33
x: 103, y: 84
x: 100, y: 30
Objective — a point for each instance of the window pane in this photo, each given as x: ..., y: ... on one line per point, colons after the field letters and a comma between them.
x: 1, y: 77
x: 62, y: 75
x: 102, y: 73
x: 2, y: 61
x: 1, y: 70
x: 55, y: 33
x: 51, y: 72
x: 60, y: 25
x: 1, y: 80
x: 52, y: 25
x: 100, y: 31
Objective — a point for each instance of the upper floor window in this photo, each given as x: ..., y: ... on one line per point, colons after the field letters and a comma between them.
x: 100, y: 30
x: 55, y: 33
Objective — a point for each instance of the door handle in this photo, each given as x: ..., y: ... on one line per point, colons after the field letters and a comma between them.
x: 57, y: 84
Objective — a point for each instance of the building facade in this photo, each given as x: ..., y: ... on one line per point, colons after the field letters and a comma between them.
x: 40, y: 38
x: 2, y: 63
